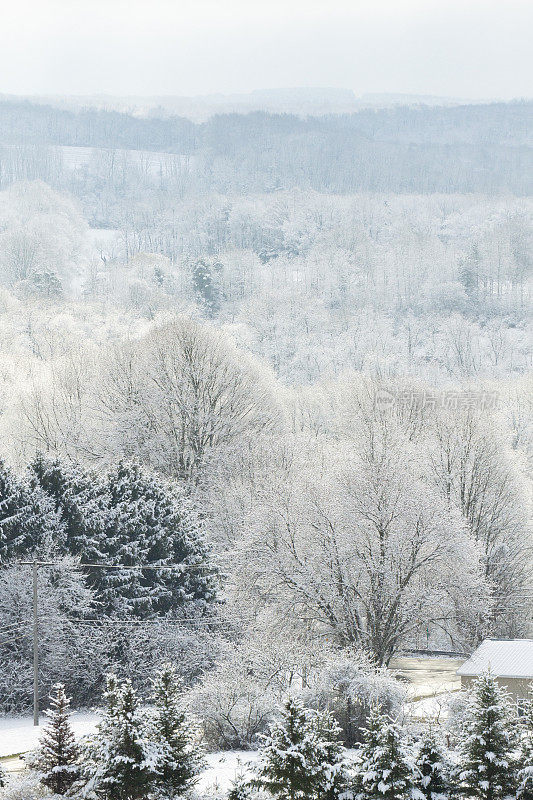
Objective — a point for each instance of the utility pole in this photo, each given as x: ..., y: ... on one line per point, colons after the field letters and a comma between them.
x: 35, y: 564
x: 35, y: 646
x: 35, y: 573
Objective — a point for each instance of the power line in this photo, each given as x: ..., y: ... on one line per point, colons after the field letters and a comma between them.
x: 6, y: 628
x: 36, y: 564
x: 161, y: 622
x: 142, y: 567
x: 11, y: 641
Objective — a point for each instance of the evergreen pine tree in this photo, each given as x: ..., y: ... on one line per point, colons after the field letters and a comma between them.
x: 290, y: 757
x: 130, y: 516
x: 28, y: 522
x: 150, y: 522
x: 433, y: 768
x: 205, y: 287
x: 111, y: 699
x: 382, y: 768
x: 525, y: 759
x: 332, y: 775
x: 3, y: 778
x: 180, y: 758
x: 486, y: 768
x: 57, y: 756
x: 74, y: 494
x: 240, y: 789
x: 118, y: 763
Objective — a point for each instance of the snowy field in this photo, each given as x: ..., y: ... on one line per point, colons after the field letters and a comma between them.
x: 18, y: 735
x: 149, y: 162
x: 222, y: 769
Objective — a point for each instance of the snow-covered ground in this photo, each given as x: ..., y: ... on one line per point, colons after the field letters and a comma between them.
x: 150, y: 162
x: 18, y: 735
x: 222, y: 769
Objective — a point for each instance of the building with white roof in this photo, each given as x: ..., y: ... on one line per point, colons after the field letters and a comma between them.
x: 509, y: 660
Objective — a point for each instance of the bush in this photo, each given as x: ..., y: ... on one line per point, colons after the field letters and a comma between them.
x: 233, y: 708
x: 349, y: 685
x: 26, y: 788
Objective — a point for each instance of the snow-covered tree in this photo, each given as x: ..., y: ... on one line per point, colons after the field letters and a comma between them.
x: 75, y: 495
x: 185, y: 391
x: 119, y: 761
x: 291, y: 763
x: 180, y: 755
x: 240, y: 788
x: 383, y: 769
x: 477, y: 467
x: 149, y: 521
x: 361, y: 545
x: 29, y: 524
x: 332, y: 774
x: 525, y: 757
x: 3, y: 778
x: 131, y: 516
x: 434, y: 768
x: 487, y: 769
x: 56, y: 758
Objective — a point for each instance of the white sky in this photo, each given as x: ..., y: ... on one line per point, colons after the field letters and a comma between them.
x: 460, y: 48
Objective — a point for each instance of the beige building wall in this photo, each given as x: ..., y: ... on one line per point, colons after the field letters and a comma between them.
x: 518, y: 688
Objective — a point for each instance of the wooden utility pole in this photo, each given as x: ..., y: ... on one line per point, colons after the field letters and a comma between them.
x: 35, y: 646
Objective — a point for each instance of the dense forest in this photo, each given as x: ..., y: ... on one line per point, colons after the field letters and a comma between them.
x: 289, y: 354
x: 478, y: 148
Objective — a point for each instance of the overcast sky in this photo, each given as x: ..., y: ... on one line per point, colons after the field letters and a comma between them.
x: 460, y: 48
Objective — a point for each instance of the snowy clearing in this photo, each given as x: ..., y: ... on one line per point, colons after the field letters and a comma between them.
x: 18, y: 735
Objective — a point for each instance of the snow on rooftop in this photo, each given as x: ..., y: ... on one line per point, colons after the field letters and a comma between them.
x: 506, y: 658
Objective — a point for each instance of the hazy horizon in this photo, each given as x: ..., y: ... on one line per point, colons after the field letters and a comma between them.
x: 478, y: 50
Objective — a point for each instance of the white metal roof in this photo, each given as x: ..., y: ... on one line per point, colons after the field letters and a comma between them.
x: 506, y: 658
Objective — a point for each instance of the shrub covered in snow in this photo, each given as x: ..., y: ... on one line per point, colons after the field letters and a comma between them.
x: 349, y: 684
x: 235, y: 703
x: 26, y: 787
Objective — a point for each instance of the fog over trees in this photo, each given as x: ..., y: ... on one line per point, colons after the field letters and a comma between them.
x: 291, y: 355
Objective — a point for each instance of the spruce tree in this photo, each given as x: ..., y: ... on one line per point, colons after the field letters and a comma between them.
x: 382, y: 769
x: 486, y: 769
x: 205, y: 286
x: 119, y: 760
x: 240, y: 789
x: 332, y: 775
x: 525, y: 759
x: 57, y: 756
x: 28, y: 521
x: 432, y: 768
x: 133, y: 517
x: 180, y: 758
x: 290, y: 757
x: 75, y: 495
